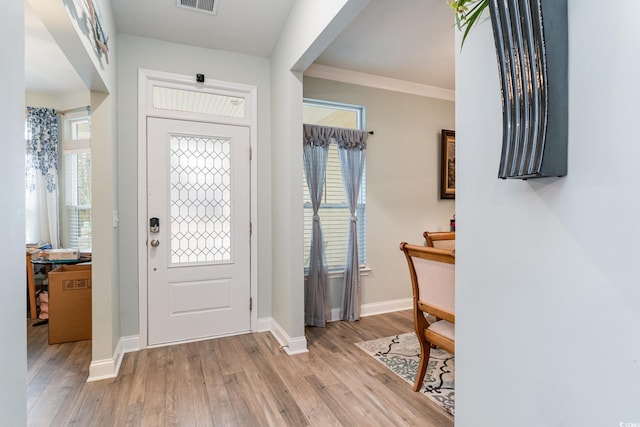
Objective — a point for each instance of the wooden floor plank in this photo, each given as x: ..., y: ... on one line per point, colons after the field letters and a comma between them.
x: 232, y: 381
x: 216, y: 392
x: 155, y: 389
x: 281, y: 390
x: 139, y: 361
x: 199, y: 397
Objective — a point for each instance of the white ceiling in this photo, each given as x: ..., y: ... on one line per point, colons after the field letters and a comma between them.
x: 47, y: 70
x: 411, y: 40
x: 244, y: 26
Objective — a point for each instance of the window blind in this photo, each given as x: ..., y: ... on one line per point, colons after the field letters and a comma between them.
x: 334, y: 215
x: 77, y: 180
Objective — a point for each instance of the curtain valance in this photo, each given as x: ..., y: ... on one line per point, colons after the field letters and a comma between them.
x: 350, y: 139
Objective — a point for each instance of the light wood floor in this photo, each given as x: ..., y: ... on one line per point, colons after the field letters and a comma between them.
x: 246, y: 380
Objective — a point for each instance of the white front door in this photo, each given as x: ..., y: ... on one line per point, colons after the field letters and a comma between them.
x: 198, y: 240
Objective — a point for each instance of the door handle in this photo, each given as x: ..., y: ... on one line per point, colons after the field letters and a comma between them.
x: 155, y: 243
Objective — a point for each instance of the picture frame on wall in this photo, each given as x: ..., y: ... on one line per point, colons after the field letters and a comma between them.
x: 448, y: 164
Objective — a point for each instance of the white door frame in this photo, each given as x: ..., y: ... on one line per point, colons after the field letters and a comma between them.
x: 147, y: 79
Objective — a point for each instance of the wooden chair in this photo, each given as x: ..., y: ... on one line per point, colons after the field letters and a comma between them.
x: 440, y: 239
x: 432, y: 273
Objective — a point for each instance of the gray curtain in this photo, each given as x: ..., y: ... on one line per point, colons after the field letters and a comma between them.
x: 352, y: 145
x: 316, y: 148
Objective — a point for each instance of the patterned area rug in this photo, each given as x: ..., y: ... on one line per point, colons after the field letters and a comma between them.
x: 401, y: 354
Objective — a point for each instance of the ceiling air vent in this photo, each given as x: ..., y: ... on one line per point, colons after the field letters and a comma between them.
x: 206, y: 6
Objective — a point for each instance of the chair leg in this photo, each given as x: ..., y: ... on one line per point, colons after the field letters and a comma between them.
x: 425, y: 351
x: 420, y: 323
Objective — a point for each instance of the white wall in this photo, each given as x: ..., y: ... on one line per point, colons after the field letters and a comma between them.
x: 403, y: 169
x: 72, y: 35
x: 547, y: 294
x: 60, y: 102
x: 106, y: 330
x: 73, y: 100
x: 43, y: 100
x: 310, y: 27
x: 137, y: 52
x: 13, y: 357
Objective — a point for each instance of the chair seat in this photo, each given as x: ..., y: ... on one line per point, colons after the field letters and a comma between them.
x: 442, y: 334
x: 444, y: 328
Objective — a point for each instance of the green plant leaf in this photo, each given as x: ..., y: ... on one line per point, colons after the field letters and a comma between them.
x: 467, y: 13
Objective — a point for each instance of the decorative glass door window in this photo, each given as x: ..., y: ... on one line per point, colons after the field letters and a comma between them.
x: 200, y: 188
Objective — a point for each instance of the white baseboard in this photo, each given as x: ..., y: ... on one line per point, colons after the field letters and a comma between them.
x: 295, y: 345
x: 386, y: 307
x: 377, y: 308
x: 131, y: 343
x: 106, y: 368
x: 264, y: 324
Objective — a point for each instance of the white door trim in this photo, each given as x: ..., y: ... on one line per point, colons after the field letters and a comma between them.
x: 146, y: 80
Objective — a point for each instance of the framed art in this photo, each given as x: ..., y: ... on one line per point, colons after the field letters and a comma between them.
x: 448, y: 165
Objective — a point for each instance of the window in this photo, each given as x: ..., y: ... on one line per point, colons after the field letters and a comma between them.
x: 334, y: 212
x: 166, y: 98
x: 76, y: 166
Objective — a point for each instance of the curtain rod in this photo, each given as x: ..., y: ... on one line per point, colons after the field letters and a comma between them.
x: 325, y: 126
x: 71, y: 110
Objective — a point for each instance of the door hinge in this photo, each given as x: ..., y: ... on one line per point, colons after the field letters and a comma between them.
x: 250, y: 153
x: 250, y: 303
x: 250, y: 229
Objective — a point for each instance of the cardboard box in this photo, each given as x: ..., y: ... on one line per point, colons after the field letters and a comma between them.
x: 70, y: 303
x: 63, y: 254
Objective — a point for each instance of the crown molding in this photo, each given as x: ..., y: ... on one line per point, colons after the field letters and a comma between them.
x: 378, y: 82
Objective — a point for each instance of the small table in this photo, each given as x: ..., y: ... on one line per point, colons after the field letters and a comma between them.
x: 31, y: 281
